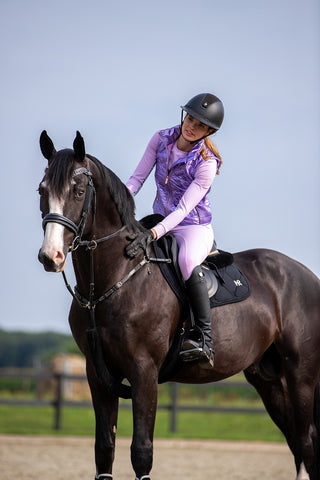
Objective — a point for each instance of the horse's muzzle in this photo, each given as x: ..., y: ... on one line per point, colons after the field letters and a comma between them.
x: 49, y: 264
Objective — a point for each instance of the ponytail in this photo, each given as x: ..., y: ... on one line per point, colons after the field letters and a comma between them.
x: 210, y: 146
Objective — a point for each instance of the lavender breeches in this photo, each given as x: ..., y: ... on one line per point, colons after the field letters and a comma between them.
x: 195, y: 242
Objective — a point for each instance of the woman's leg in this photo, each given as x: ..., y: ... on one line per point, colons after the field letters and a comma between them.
x: 194, y: 246
x: 194, y: 242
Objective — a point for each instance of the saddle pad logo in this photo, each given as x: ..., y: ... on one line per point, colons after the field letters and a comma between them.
x: 237, y: 283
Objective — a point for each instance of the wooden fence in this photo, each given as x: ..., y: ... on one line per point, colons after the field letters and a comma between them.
x: 173, y: 406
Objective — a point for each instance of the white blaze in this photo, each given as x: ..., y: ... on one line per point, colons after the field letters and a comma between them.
x: 53, y: 238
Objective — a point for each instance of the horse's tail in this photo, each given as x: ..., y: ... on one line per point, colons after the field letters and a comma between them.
x: 113, y: 385
x: 316, y: 419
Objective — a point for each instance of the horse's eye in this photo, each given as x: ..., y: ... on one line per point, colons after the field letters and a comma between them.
x: 78, y: 193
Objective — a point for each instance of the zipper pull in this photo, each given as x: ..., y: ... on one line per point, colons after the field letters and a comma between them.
x: 167, y: 179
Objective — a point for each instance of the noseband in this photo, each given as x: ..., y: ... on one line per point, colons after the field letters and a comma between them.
x: 65, y: 221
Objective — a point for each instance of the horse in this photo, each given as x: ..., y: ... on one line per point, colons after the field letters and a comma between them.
x: 124, y: 316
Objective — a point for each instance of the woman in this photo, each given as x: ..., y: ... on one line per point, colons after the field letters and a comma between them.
x: 186, y: 164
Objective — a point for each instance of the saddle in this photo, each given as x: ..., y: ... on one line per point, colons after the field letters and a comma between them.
x: 225, y: 283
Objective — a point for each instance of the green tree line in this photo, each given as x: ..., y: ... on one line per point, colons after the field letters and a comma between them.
x: 24, y: 349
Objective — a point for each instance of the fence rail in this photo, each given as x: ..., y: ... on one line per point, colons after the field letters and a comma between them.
x: 173, y: 406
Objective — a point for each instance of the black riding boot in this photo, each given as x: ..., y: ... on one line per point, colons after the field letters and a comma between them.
x: 199, y: 346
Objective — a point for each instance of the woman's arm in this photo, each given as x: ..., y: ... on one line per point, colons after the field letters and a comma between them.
x: 144, y: 167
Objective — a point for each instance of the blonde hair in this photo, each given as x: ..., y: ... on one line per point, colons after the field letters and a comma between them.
x: 214, y: 150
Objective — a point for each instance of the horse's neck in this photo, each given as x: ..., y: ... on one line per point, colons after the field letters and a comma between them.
x: 106, y: 257
x: 109, y: 263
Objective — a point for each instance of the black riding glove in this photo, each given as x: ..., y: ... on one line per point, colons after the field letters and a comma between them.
x: 140, y: 243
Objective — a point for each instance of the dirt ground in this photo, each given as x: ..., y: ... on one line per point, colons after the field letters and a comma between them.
x: 71, y: 458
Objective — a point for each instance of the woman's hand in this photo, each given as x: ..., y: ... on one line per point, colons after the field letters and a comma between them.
x: 140, y: 243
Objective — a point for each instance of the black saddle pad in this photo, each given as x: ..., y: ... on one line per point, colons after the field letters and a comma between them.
x: 233, y: 285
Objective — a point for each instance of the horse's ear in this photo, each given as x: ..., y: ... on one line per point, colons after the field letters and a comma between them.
x: 79, y: 148
x: 46, y: 145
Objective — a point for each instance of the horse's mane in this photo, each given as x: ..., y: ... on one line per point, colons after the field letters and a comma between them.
x: 119, y: 193
x: 59, y: 174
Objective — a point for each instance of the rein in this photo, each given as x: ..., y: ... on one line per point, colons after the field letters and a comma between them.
x: 91, y: 303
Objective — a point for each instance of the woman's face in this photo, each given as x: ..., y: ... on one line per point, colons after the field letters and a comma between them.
x: 193, y: 129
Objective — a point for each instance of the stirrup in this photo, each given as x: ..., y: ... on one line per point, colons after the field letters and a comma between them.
x: 208, y: 364
x: 194, y: 352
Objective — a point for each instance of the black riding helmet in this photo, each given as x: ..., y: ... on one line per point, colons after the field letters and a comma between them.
x: 206, y: 108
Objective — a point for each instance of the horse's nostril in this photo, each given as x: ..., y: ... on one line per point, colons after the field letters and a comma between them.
x: 40, y: 256
x: 47, y: 262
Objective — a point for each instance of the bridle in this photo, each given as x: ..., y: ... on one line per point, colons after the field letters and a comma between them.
x: 65, y: 221
x: 77, y: 242
x: 90, y: 303
x: 92, y: 332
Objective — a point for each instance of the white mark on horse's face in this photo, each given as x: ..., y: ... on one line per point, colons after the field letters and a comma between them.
x: 53, y: 237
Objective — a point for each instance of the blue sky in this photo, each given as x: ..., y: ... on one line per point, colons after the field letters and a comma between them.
x: 119, y: 71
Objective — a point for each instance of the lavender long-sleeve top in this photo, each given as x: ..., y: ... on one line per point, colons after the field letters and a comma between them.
x: 203, y: 179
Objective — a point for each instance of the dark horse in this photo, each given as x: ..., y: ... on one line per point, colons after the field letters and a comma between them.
x: 126, y: 307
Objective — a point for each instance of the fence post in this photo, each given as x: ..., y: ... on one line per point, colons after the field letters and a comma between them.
x: 174, y: 407
x: 58, y: 402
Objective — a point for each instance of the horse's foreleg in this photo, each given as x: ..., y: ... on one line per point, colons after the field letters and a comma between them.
x: 106, y: 413
x: 144, y: 406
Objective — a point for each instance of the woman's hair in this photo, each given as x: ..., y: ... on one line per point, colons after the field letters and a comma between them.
x: 214, y: 150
